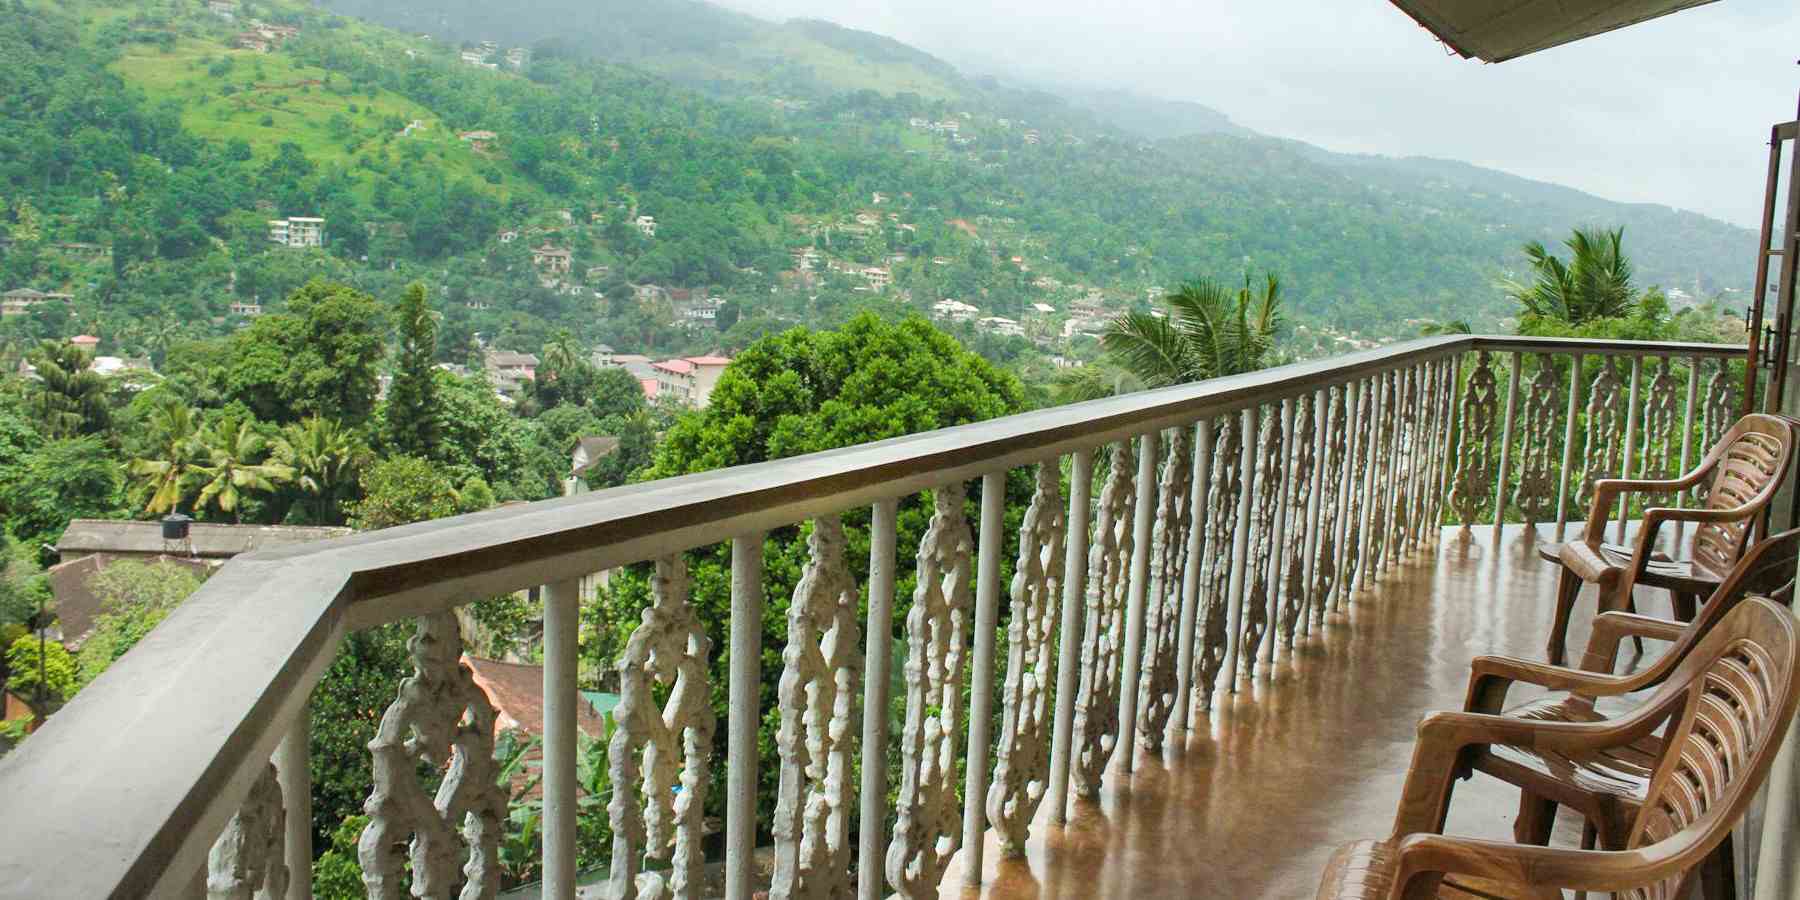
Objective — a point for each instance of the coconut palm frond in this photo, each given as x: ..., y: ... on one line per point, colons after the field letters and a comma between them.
x: 1153, y: 349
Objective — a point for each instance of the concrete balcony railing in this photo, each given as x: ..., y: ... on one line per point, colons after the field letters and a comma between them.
x: 1177, y: 544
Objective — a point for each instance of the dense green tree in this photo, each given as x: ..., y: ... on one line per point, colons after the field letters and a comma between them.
x: 402, y: 489
x: 334, y: 373
x: 616, y: 392
x: 134, y: 598
x: 59, y: 481
x: 70, y: 398
x: 47, y: 686
x: 414, y: 421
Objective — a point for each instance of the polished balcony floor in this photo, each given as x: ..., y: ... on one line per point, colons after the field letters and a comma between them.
x: 1313, y: 756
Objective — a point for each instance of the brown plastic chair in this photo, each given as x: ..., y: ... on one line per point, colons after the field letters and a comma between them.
x: 1746, y: 466
x: 1607, y: 787
x: 1727, y: 707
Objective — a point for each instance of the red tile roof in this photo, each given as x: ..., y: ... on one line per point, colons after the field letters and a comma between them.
x: 516, y: 691
x: 710, y: 360
x: 678, y: 366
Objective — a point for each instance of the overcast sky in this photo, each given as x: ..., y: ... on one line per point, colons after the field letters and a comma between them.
x: 1675, y: 111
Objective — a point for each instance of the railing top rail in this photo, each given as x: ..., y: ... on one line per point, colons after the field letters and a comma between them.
x: 130, y: 782
x: 1603, y: 347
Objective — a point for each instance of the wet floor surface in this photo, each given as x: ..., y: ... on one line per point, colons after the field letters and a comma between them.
x: 1256, y: 799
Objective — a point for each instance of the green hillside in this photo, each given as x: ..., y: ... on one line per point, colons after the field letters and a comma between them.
x: 780, y: 193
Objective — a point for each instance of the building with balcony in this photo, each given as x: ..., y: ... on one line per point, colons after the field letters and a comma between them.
x: 19, y: 301
x: 298, y: 232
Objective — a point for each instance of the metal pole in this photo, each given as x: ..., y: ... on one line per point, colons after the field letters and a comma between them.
x: 1143, y: 515
x: 1068, y: 660
x: 745, y: 713
x: 562, y: 623
x: 1190, y: 575
x: 1630, y: 455
x: 981, y: 695
x: 1568, y: 457
x: 877, y: 658
x: 1506, y: 437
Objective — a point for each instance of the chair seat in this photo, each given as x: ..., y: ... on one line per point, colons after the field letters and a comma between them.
x: 1617, y: 778
x: 1611, y: 560
x: 1364, y: 870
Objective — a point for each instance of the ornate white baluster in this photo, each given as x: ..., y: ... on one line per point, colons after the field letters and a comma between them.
x: 1658, y: 447
x: 817, y: 696
x: 1720, y: 410
x: 248, y: 860
x: 443, y: 721
x: 1299, y: 485
x: 1103, y: 633
x: 655, y: 747
x: 1024, y: 763
x: 1331, y: 504
x: 937, y: 628
x: 1604, y: 420
x: 1269, y: 464
x: 1212, y: 618
x: 1157, y: 684
x: 1534, y: 494
x: 1356, y: 489
x: 1472, y: 485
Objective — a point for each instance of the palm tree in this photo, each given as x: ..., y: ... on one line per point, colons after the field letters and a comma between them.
x: 324, y: 457
x: 170, y: 474
x: 1594, y: 284
x: 235, y: 465
x: 1448, y: 326
x: 1209, y: 331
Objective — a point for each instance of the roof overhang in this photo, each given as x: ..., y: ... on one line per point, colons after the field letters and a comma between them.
x: 1499, y: 30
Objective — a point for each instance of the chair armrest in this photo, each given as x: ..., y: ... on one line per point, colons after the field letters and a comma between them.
x: 1440, y: 754
x: 1612, y: 628
x: 1430, y: 856
x: 1491, y: 676
x: 1606, y: 490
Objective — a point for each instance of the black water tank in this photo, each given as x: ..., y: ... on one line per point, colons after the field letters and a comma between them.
x: 175, y: 527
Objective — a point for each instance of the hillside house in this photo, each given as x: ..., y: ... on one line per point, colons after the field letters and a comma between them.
x: 478, y: 137
x: 507, y: 366
x: 241, y: 308
x: 86, y: 342
x: 700, y: 311
x: 1000, y: 325
x: 518, y: 58
x: 689, y: 380
x: 953, y: 310
x: 19, y: 301
x: 552, y: 260
x: 646, y: 225
x: 224, y: 9
x: 878, y: 277
x: 298, y: 232
x: 250, y: 40
x: 601, y: 356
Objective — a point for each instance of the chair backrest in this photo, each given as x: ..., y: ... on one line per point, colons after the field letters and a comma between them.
x: 1749, y: 463
x: 1768, y: 570
x: 1740, y: 689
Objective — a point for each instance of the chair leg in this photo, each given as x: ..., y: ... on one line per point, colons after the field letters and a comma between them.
x: 1568, y: 588
x: 1537, y: 816
x: 1718, y: 873
x: 1686, y: 605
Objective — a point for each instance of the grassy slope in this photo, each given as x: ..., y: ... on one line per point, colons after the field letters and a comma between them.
x: 291, y: 99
